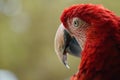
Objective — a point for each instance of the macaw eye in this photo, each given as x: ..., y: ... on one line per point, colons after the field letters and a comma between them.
x: 78, y: 22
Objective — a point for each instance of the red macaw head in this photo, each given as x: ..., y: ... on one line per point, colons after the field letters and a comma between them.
x: 80, y: 23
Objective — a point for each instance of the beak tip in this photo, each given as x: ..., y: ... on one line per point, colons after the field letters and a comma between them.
x: 67, y: 66
x: 64, y: 60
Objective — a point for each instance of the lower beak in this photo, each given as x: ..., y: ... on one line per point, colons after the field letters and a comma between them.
x: 65, y: 43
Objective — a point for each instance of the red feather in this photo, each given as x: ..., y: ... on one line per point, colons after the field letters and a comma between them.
x: 101, y: 54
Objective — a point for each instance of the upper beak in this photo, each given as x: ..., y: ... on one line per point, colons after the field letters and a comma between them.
x: 65, y: 43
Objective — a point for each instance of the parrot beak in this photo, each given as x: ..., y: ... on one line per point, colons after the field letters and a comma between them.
x: 64, y: 43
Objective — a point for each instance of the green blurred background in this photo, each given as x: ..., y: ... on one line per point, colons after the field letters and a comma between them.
x: 27, y: 30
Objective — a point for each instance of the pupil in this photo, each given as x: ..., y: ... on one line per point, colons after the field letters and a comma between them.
x: 75, y: 23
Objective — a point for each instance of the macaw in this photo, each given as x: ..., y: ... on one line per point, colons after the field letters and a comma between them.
x: 92, y: 33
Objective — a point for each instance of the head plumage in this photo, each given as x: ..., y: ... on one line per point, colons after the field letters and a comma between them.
x: 90, y: 13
